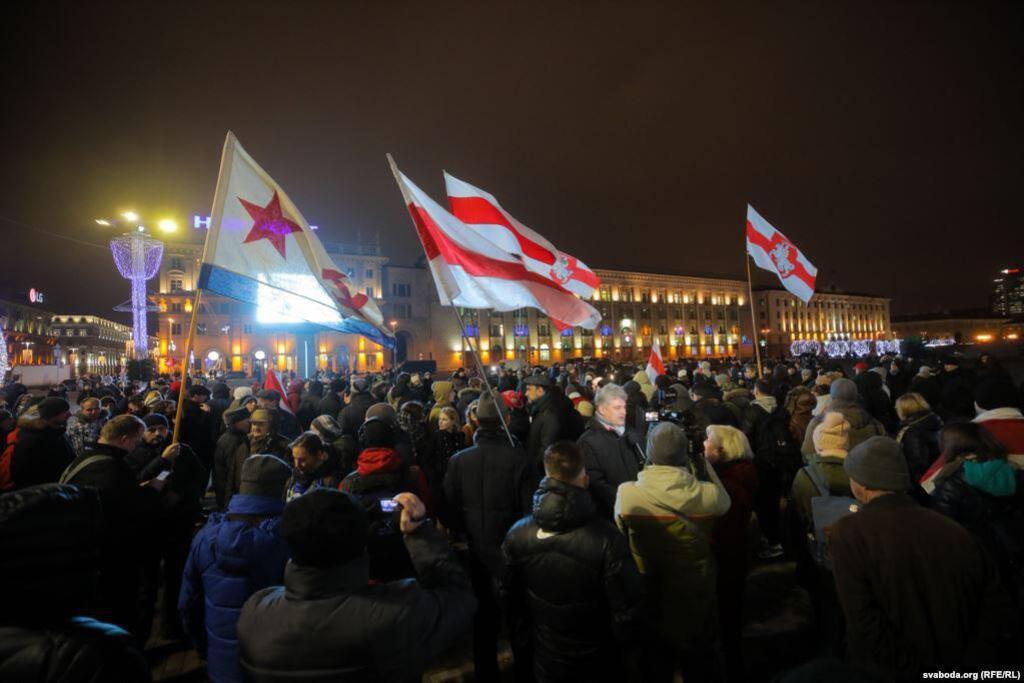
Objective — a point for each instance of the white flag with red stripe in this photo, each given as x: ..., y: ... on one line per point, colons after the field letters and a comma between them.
x: 772, y: 251
x: 655, y: 364
x: 482, y: 213
x: 474, y: 272
x: 272, y: 382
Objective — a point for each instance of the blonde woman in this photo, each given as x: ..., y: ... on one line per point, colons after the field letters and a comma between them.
x: 728, y: 451
x: 919, y: 433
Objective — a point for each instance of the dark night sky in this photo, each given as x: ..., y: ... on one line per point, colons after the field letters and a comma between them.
x: 885, y: 140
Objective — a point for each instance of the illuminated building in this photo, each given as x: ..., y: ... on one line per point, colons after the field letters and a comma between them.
x: 92, y: 344
x: 1008, y: 295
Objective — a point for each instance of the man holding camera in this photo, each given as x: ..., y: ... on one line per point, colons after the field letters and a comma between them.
x: 386, y: 631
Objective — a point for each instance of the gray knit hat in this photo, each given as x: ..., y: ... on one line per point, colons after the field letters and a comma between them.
x: 878, y: 464
x: 843, y: 390
x: 264, y: 475
x: 667, y: 445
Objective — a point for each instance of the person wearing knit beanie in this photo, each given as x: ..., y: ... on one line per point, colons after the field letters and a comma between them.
x: 832, y: 436
x: 877, y: 464
x: 264, y: 475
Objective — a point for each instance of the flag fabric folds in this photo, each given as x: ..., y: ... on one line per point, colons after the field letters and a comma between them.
x: 473, y: 271
x: 772, y: 251
x: 260, y: 249
x: 273, y: 382
x: 482, y: 213
x: 655, y: 364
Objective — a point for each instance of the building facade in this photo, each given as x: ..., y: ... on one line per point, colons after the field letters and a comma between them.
x: 1008, y: 293
x: 689, y: 317
x: 959, y: 328
x: 232, y: 337
x: 29, y: 334
x: 783, y: 319
x: 92, y: 344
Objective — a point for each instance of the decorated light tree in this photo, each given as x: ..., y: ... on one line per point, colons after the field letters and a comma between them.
x: 137, y: 257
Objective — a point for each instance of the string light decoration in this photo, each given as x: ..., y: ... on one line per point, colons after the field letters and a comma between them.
x: 802, y: 346
x: 860, y: 347
x: 884, y: 346
x: 836, y: 348
x: 137, y: 257
x: 3, y: 350
x: 945, y: 341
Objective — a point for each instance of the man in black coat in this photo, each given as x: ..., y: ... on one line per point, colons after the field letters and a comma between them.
x: 196, y: 431
x: 228, y: 455
x: 130, y: 514
x: 332, y: 403
x: 570, y: 588
x: 387, y: 631
x: 42, y: 450
x: 354, y: 413
x: 918, y: 591
x: 611, y: 451
x: 220, y: 399
x: 549, y: 419
x: 487, y: 489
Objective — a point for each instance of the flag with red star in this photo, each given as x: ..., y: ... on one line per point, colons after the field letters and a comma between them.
x: 260, y: 249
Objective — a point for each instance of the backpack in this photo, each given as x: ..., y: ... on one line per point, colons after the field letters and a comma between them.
x: 7, y: 482
x: 775, y: 444
x: 826, y: 510
x: 74, y: 470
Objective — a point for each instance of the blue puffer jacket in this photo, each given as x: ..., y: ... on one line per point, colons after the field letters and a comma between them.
x: 234, y: 555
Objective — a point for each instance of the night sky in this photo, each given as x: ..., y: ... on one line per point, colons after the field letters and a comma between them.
x: 884, y: 139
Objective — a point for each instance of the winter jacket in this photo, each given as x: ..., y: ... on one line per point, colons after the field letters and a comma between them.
x: 354, y: 414
x: 41, y: 453
x: 919, y: 438
x: 862, y: 425
x: 363, y: 632
x: 487, y: 489
x: 917, y: 590
x: 441, y: 392
x: 804, y: 488
x: 876, y: 400
x: 234, y: 555
x: 987, y: 499
x: 729, y: 535
x: 548, y: 424
x: 957, y: 394
x: 271, y: 444
x: 83, y: 434
x: 285, y: 424
x: 331, y: 404
x: 230, y: 452
x: 309, y: 405
x: 571, y: 586
x: 80, y: 649
x: 667, y: 514
x: 294, y: 396
x: 610, y: 460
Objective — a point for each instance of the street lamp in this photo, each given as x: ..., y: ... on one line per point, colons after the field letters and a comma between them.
x: 137, y: 257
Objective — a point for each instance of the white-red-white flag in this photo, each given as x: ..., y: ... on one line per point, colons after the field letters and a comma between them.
x: 655, y: 364
x: 772, y: 251
x: 272, y: 382
x: 482, y: 213
x: 474, y: 272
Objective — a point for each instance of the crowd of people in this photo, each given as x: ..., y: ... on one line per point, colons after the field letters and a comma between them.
x: 601, y: 520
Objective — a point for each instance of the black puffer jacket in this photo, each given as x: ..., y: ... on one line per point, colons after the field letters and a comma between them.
x: 41, y: 453
x: 383, y: 632
x: 487, y: 489
x: 571, y: 585
x: 919, y: 439
x: 50, y: 535
x: 610, y: 460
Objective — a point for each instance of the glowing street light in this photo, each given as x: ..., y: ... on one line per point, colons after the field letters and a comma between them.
x: 167, y: 225
x: 102, y: 221
x: 130, y: 216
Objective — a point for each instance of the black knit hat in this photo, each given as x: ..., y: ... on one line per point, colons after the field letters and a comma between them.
x: 323, y: 528
x: 156, y: 420
x: 52, y: 406
x: 264, y: 475
x: 378, y: 433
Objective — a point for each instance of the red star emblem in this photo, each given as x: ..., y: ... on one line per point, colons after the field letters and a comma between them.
x: 341, y: 289
x: 270, y: 224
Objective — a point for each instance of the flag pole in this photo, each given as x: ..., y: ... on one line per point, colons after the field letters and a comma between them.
x: 186, y: 366
x: 483, y: 374
x: 753, y: 314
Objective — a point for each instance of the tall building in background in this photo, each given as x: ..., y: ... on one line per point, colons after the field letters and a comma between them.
x: 1008, y: 295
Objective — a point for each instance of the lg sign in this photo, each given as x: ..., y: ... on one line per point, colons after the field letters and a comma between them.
x: 35, y: 296
x: 203, y: 223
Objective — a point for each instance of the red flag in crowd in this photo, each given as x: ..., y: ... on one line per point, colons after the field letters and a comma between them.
x: 773, y: 252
